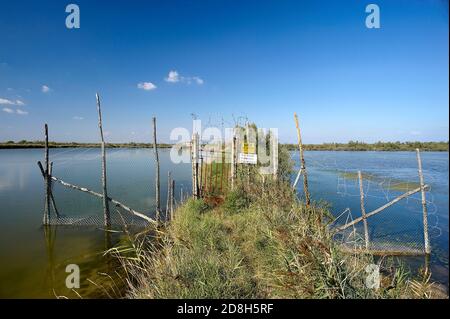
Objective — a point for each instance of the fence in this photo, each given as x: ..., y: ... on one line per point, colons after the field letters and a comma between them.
x: 133, y: 218
x: 360, y: 234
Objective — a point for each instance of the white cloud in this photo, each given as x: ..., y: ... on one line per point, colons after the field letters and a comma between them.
x: 10, y: 102
x: 21, y: 112
x: 198, y: 80
x: 147, y: 86
x: 415, y: 133
x: 79, y: 118
x: 6, y: 102
x: 45, y: 89
x: 8, y: 110
x: 175, y: 77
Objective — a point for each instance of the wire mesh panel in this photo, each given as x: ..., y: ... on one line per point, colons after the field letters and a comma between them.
x: 399, y: 228
x: 214, y: 171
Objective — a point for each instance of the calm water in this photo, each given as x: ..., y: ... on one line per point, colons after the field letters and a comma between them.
x: 34, y: 259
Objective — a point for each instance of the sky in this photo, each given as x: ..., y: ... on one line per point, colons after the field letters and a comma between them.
x: 224, y: 62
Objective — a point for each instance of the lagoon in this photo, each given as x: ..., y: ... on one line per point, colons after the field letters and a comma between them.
x: 33, y: 258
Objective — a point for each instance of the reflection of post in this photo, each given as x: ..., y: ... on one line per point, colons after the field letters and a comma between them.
x: 106, y: 215
x: 46, y: 219
x: 302, y: 160
x: 158, y: 192
x: 363, y: 209
x: 49, y: 236
x: 424, y: 204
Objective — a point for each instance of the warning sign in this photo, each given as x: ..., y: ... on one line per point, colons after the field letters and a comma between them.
x: 248, y: 158
x: 248, y: 148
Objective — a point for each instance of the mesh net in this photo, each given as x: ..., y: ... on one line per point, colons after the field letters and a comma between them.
x: 399, y: 228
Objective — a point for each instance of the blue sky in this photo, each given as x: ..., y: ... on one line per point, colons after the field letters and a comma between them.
x: 258, y: 59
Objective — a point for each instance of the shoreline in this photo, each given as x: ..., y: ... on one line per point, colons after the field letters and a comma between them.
x: 341, y: 147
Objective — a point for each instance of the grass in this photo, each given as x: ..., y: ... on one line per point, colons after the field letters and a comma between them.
x: 262, y: 242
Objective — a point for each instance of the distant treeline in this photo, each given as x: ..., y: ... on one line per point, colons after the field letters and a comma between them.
x: 40, y: 144
x: 379, y: 146
x: 350, y: 146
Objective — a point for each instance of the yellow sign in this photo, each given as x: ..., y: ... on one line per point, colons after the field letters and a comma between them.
x: 248, y: 148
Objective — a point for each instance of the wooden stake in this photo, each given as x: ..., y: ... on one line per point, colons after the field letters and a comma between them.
x: 424, y: 204
x: 46, y: 219
x: 302, y: 160
x: 157, y: 186
x: 363, y: 209
x: 172, y: 200
x: 51, y: 190
x: 169, y: 183
x: 106, y: 214
x: 233, y: 159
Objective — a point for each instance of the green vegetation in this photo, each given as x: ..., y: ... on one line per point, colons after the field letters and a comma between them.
x: 40, y: 144
x: 350, y: 146
x: 391, y: 184
x: 262, y: 242
x: 379, y: 146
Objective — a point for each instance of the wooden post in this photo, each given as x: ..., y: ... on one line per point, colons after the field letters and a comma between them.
x: 169, y: 183
x: 172, y: 199
x: 201, y: 188
x: 46, y: 219
x: 157, y: 182
x: 274, y: 156
x: 233, y: 159
x: 424, y: 204
x: 194, y: 150
x: 106, y: 214
x: 302, y: 161
x: 363, y: 209
x: 51, y: 190
x: 197, y: 144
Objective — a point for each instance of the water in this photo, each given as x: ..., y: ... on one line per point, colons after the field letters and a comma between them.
x: 331, y: 177
x: 34, y: 259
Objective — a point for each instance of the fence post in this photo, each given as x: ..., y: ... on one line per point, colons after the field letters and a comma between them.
x: 169, y: 183
x: 46, y: 219
x: 194, y: 152
x: 363, y: 209
x: 106, y: 214
x: 424, y: 204
x: 172, y: 199
x: 51, y: 190
x: 158, y: 185
x: 275, y: 156
x: 302, y: 160
x: 233, y: 159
